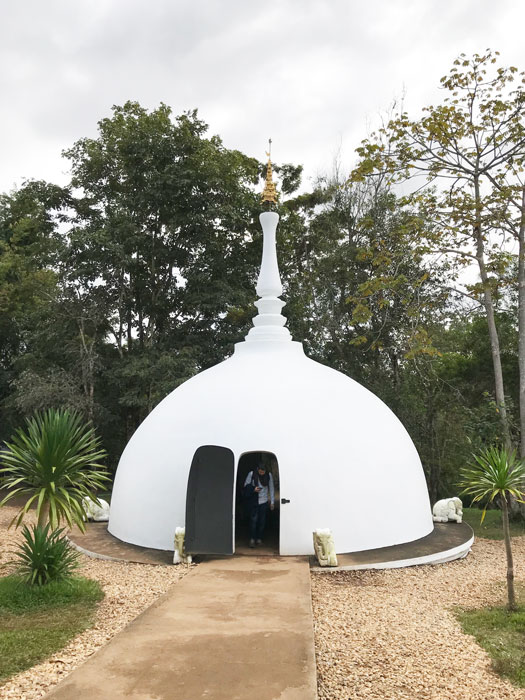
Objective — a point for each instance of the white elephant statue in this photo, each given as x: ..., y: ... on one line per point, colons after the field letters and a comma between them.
x: 324, y: 547
x: 447, y: 509
x: 179, y: 555
x: 97, y: 512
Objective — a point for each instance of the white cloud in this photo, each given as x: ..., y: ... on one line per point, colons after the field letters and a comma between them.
x: 309, y: 74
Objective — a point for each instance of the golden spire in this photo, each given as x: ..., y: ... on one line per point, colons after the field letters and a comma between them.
x: 269, y: 193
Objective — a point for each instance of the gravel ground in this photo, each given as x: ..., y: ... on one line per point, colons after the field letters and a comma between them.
x: 392, y: 635
x: 380, y: 635
x: 129, y: 589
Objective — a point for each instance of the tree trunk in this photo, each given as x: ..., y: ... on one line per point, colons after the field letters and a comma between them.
x: 512, y: 606
x: 394, y: 363
x: 43, y: 515
x: 432, y: 464
x: 496, y: 357
x: 491, y: 321
x: 120, y: 333
x: 87, y: 362
x: 521, y: 322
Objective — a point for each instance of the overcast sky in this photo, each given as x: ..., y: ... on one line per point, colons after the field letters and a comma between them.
x: 313, y: 75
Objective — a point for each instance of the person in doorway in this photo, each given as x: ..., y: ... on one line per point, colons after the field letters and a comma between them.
x: 264, y: 494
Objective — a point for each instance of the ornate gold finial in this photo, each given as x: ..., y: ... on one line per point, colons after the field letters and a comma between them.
x: 269, y: 193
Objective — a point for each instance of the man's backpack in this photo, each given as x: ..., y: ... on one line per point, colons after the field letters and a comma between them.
x: 249, y: 495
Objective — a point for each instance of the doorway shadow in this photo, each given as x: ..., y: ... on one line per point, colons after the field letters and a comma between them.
x: 247, y: 463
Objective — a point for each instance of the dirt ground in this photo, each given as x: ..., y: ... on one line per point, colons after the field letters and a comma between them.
x: 380, y: 635
x: 392, y: 635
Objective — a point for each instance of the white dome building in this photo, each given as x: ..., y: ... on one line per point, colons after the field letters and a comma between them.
x: 343, y: 457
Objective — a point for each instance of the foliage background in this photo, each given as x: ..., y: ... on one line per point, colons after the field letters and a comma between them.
x: 141, y: 273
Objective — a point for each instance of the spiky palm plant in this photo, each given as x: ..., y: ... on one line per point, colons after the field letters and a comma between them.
x: 55, y: 463
x: 45, y: 556
x: 494, y: 476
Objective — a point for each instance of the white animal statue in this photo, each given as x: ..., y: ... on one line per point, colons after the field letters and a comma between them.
x: 324, y: 547
x: 179, y: 555
x: 98, y: 513
x: 447, y: 509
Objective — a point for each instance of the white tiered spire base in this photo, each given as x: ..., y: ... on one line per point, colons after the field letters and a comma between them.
x: 269, y: 324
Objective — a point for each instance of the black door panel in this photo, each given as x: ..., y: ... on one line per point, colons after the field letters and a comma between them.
x: 209, y: 502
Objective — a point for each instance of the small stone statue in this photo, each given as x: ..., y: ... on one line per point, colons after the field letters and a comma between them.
x: 324, y: 547
x: 447, y: 509
x: 179, y: 555
x: 98, y: 513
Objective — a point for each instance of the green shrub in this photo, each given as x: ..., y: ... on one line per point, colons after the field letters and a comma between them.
x: 45, y: 556
x: 54, y: 463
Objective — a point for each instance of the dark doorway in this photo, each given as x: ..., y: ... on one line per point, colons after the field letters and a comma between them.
x: 247, y: 463
x: 209, y: 502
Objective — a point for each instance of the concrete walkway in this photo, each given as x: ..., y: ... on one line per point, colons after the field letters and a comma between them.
x: 236, y: 628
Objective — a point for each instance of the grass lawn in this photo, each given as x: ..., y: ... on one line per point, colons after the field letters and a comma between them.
x: 36, y: 621
x: 502, y: 635
x: 491, y: 528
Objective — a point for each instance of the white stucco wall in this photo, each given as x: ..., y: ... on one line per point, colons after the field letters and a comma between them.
x: 344, y: 458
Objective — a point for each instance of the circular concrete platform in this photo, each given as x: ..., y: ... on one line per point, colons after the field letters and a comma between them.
x: 98, y: 543
x: 447, y: 541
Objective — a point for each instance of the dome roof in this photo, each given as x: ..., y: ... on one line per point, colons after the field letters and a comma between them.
x: 345, y: 460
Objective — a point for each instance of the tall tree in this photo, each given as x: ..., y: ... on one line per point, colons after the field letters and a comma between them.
x: 163, y: 211
x: 365, y: 288
x: 471, y: 150
x: 364, y: 299
x: 161, y: 248
x: 29, y: 249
